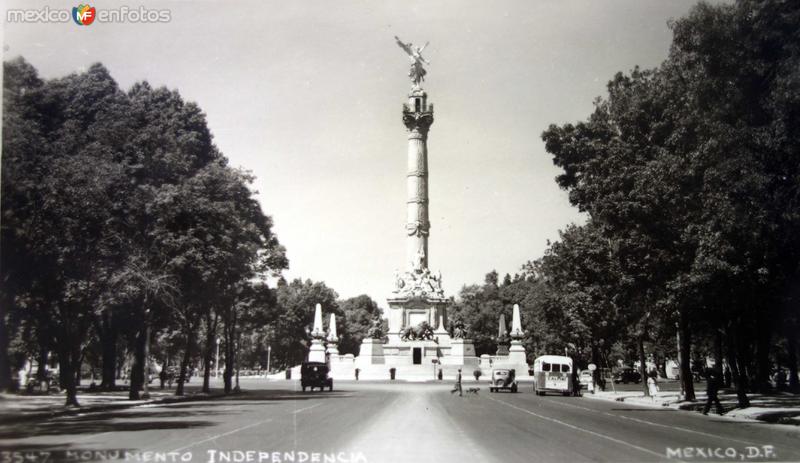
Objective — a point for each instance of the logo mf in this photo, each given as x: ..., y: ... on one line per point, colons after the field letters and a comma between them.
x: 83, y: 15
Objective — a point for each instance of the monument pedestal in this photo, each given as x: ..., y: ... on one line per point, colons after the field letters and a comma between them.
x: 516, y: 354
x: 516, y: 359
x: 371, y: 353
x: 461, y: 348
x: 462, y: 352
x: 413, y: 306
x: 332, y: 349
x: 317, y: 351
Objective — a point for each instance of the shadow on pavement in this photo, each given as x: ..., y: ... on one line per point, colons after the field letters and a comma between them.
x: 167, y: 417
x: 274, y: 395
x: 105, y: 422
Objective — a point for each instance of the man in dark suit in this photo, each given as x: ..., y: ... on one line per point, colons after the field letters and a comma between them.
x: 458, y: 384
x: 713, y: 380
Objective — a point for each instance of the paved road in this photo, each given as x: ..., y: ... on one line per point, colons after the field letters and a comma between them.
x: 381, y: 422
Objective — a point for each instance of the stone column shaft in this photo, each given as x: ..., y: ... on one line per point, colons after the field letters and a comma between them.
x: 417, y: 203
x: 417, y: 117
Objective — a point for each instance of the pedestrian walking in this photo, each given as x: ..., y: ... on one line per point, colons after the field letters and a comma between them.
x: 652, y: 385
x: 576, y: 383
x: 458, y: 385
x: 713, y: 381
x: 780, y: 380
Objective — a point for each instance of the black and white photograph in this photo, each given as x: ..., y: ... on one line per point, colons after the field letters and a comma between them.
x: 354, y: 231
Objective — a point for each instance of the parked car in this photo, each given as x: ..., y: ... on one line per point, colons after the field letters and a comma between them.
x: 315, y: 374
x: 50, y: 384
x: 627, y: 375
x: 503, y: 379
x: 585, y: 378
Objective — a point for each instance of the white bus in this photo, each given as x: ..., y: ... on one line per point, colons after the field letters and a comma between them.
x: 552, y: 373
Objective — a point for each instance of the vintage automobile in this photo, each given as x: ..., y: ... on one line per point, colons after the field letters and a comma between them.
x: 585, y: 378
x: 627, y: 375
x: 503, y: 379
x: 315, y: 374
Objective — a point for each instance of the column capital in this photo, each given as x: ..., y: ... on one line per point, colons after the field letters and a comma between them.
x: 417, y: 123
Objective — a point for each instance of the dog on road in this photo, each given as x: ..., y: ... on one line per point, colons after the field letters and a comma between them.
x: 473, y: 390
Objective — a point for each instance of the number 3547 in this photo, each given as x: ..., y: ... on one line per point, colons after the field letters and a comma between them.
x: 24, y: 457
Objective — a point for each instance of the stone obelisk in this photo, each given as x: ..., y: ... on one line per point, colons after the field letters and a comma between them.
x: 333, y: 338
x: 317, y: 351
x: 502, y: 337
x: 517, y: 351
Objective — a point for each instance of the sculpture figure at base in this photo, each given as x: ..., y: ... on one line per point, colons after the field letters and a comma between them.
x: 376, y: 330
x: 460, y: 330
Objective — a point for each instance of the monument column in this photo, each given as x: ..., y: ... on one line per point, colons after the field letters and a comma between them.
x: 417, y: 117
x: 417, y: 296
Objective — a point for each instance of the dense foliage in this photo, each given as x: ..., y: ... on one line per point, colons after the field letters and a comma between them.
x: 690, y: 175
x: 127, y: 238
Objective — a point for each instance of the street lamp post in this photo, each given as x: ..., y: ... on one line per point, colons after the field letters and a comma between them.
x: 146, y: 391
x: 269, y: 354
x: 216, y: 364
x: 680, y: 369
x: 236, y: 365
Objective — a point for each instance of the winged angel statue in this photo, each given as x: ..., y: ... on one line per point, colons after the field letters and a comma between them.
x: 417, y: 72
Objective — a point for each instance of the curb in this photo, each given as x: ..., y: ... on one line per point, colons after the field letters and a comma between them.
x: 779, y: 418
x: 640, y: 401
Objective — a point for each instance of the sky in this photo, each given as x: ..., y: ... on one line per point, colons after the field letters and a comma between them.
x: 307, y: 96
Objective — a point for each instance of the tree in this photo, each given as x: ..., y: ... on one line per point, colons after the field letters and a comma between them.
x: 260, y: 311
x: 22, y: 135
x: 167, y: 146
x: 69, y: 187
x: 120, y: 214
x: 737, y: 63
x: 479, y: 309
x: 216, y: 238
x: 359, y: 314
x: 295, y: 304
x: 587, y: 291
x: 624, y: 167
x: 686, y: 168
